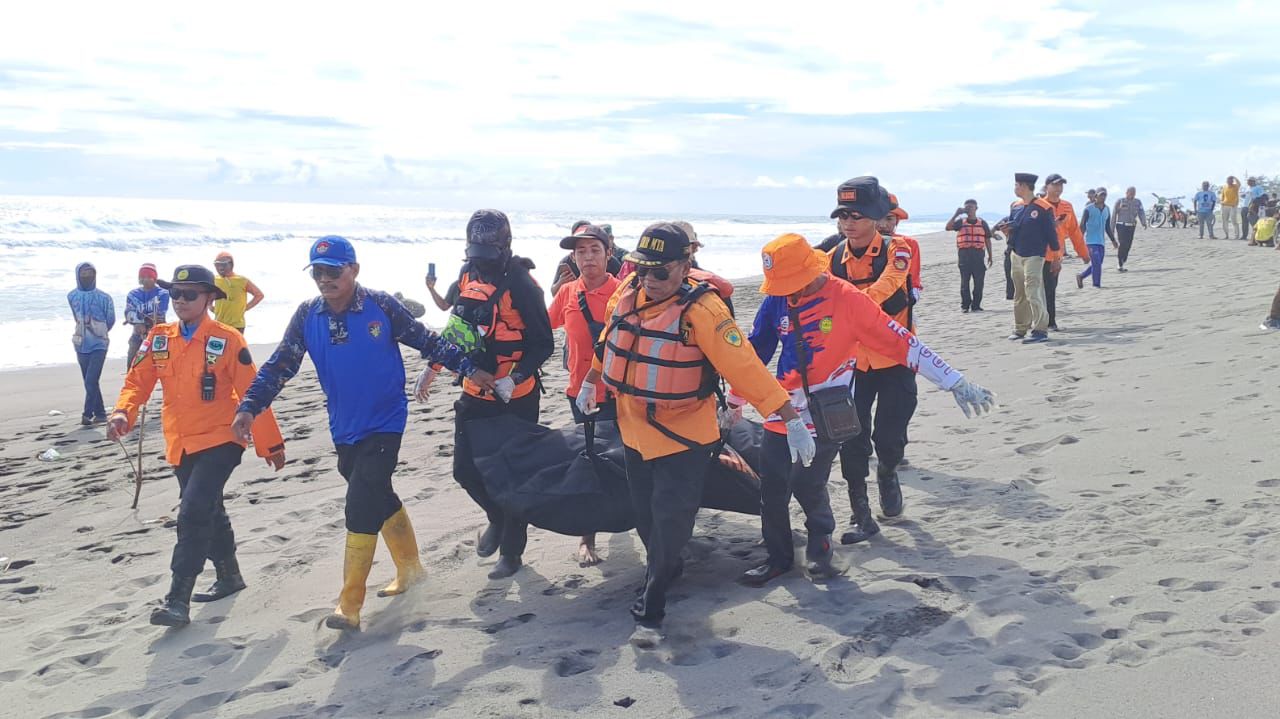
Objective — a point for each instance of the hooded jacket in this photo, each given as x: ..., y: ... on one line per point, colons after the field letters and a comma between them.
x: 94, y: 312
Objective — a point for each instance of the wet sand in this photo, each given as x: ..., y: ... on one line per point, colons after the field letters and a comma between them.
x: 1103, y: 545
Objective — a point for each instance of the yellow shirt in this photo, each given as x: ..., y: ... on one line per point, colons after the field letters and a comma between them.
x: 1231, y: 195
x: 709, y: 326
x: 1265, y: 229
x: 231, y: 310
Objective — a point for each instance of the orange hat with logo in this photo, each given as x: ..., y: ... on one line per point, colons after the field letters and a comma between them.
x: 790, y: 264
x: 897, y: 211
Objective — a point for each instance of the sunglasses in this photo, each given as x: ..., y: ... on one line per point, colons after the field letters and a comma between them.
x: 326, y: 271
x: 186, y: 295
x: 661, y: 274
x: 847, y: 215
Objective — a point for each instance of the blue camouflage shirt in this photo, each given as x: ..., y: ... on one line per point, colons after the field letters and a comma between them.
x: 358, y: 362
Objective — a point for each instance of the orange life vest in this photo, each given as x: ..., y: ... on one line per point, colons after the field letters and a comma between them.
x: 718, y: 283
x: 502, y: 326
x: 971, y: 237
x: 649, y: 358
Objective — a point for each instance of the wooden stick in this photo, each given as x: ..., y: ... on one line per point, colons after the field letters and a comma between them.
x: 137, y: 486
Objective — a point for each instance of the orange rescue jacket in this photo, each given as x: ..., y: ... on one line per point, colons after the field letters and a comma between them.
x: 884, y: 273
x: 191, y: 423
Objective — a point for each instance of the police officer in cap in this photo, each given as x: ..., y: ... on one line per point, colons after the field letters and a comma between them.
x: 500, y: 319
x: 204, y: 368
x: 880, y: 266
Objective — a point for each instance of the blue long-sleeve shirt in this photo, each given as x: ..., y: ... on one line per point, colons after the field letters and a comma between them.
x: 95, y: 315
x: 358, y: 362
x: 146, y: 307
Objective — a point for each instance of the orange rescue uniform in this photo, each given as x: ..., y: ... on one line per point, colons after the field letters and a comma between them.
x: 1064, y: 217
x: 888, y: 290
x: 707, y: 327
x: 192, y: 424
x: 579, y: 340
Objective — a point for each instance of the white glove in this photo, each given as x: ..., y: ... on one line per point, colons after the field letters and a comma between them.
x: 800, y: 442
x: 422, y: 387
x: 504, y: 388
x: 731, y: 414
x: 586, y: 400
x: 973, y: 399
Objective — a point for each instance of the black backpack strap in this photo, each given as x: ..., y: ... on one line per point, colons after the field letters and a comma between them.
x: 837, y: 262
x: 594, y: 327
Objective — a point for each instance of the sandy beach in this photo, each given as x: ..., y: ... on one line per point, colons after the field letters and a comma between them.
x: 1103, y: 545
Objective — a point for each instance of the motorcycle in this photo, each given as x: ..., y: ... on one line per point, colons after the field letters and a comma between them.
x: 1167, y: 209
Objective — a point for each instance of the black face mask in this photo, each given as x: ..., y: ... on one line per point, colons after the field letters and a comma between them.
x: 89, y: 283
x: 488, y: 266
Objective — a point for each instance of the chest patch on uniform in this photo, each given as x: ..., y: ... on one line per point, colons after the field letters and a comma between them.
x: 824, y: 325
x: 159, y: 356
x: 1035, y: 214
x: 215, y: 346
x: 733, y: 336
x: 375, y: 329
x: 900, y: 263
x: 784, y: 325
x: 160, y: 343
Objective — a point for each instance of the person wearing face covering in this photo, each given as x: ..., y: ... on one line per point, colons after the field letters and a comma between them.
x: 95, y: 315
x: 500, y: 320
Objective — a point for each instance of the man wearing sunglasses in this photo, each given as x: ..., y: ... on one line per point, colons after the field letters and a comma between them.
x: 353, y: 335
x: 666, y: 344
x: 204, y: 368
x: 880, y: 266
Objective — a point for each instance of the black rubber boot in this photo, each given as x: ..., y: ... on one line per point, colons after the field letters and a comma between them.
x: 228, y: 582
x: 488, y: 540
x: 862, y: 526
x: 820, y: 560
x: 762, y: 575
x: 176, y: 609
x: 890, y: 491
x: 505, y: 567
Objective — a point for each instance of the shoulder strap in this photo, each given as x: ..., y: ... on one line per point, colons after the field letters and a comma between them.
x: 837, y: 262
x: 802, y: 351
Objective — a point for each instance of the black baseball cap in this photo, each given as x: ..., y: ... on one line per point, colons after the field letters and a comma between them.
x: 660, y: 243
x: 864, y: 196
x: 194, y: 275
x: 1055, y: 179
x: 585, y: 232
x: 488, y: 235
x: 1025, y: 178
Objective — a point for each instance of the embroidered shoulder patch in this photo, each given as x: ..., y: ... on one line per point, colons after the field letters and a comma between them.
x: 900, y: 263
x: 733, y: 337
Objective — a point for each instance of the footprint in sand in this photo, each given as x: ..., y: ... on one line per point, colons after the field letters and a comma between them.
x: 1036, y: 449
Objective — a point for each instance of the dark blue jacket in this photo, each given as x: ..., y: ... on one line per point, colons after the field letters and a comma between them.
x: 1033, y: 228
x: 358, y: 362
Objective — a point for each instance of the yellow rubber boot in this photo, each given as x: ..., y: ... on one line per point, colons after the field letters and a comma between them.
x: 355, y: 573
x: 397, y: 532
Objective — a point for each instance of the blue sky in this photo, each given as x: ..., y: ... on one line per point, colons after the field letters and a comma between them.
x: 711, y: 107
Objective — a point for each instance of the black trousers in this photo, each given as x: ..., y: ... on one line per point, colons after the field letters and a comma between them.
x: 779, y: 481
x: 1125, y: 233
x: 515, y: 531
x: 1008, y: 274
x: 367, y: 466
x: 1050, y: 292
x: 973, y: 272
x: 893, y: 390
x: 204, y: 529
x: 665, y: 495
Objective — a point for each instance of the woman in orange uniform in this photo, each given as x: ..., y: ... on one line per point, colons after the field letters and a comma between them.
x: 204, y: 368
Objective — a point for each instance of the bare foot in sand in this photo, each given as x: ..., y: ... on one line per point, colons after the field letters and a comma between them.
x: 587, y: 556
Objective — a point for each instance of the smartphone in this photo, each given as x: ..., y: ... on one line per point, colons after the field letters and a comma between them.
x: 431, y: 270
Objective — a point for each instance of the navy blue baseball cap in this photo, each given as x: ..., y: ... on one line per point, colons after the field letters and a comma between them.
x: 332, y: 250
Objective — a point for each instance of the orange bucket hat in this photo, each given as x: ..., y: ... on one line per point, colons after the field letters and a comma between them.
x: 790, y: 264
x: 897, y: 211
